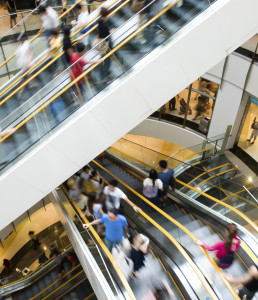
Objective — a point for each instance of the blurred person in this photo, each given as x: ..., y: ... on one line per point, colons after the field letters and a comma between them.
x: 78, y: 65
x: 96, y: 181
x: 167, y: 177
x: 139, y: 248
x: 82, y: 21
x: 49, y: 19
x: 10, y: 5
x: 24, y: 59
x: 76, y: 195
x: 160, y: 292
x: 112, y: 195
x: 71, y: 260
x: 224, y: 255
x: 201, y: 106
x: 151, y: 187
x: 95, y: 209
x: 85, y: 174
x: 59, y: 261
x: 136, y: 7
x: 64, y: 18
x: 249, y: 282
x: 7, y: 265
x: 67, y: 45
x: 55, y: 50
x: 254, y: 132
x: 34, y: 239
x: 116, y: 227
x: 103, y: 43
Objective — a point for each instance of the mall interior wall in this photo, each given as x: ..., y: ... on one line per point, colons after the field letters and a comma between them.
x: 159, y: 76
x: 231, y: 101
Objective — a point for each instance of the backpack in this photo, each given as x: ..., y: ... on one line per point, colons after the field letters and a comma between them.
x: 227, y: 260
x: 137, y: 5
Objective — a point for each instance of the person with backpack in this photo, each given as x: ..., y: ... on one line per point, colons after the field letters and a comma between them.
x: 151, y: 187
x: 167, y: 177
x: 225, y: 249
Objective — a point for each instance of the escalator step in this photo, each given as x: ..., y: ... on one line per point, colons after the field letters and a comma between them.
x: 202, y: 232
x: 185, y: 220
x: 193, y: 225
x: 169, y: 209
x: 176, y: 214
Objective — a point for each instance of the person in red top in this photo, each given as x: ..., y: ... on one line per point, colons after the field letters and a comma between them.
x: 78, y: 64
x: 225, y: 249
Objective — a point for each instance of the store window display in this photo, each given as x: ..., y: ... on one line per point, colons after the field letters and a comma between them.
x: 249, y: 129
x: 192, y: 107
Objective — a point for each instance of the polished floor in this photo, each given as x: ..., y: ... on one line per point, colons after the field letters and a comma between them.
x: 38, y: 221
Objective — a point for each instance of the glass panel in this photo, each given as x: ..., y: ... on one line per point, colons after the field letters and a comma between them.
x: 215, y: 182
x: 247, y: 140
x: 98, y: 78
x: 200, y: 106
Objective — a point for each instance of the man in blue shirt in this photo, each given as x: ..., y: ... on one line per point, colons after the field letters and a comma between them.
x: 116, y: 227
x: 167, y: 177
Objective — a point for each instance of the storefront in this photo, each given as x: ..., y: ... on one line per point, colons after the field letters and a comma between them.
x: 193, y: 107
x: 245, y: 131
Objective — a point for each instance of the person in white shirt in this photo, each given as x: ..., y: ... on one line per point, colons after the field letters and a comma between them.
x: 151, y: 187
x: 49, y: 18
x: 82, y: 21
x: 113, y: 195
x: 24, y: 58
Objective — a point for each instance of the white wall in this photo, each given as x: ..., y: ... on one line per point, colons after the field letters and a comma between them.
x: 131, y: 99
x: 230, y: 103
x: 168, y: 132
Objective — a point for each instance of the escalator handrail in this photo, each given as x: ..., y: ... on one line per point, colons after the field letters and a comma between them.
x: 108, y: 254
x: 111, y: 52
x: 250, y: 222
x: 53, y: 59
x: 173, y: 240
x: 39, y: 33
x: 205, y: 172
x: 53, y: 283
x: 182, y: 162
x: 236, y: 194
x: 213, y: 176
x: 243, y: 216
x: 63, y: 284
x: 31, y: 273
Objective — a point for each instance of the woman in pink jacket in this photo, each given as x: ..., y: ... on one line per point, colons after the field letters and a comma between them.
x: 225, y: 249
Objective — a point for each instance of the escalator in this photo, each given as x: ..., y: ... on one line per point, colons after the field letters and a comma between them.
x: 47, y: 285
x: 156, y: 269
x: 199, y: 224
x: 36, y: 121
x: 17, y: 94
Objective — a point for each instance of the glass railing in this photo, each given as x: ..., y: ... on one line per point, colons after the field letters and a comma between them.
x: 30, y: 24
x: 112, y: 273
x: 68, y: 97
x: 216, y: 191
x: 156, y: 222
x: 43, y: 77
